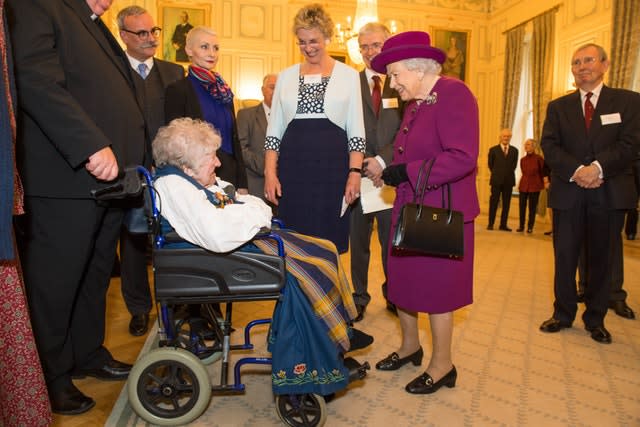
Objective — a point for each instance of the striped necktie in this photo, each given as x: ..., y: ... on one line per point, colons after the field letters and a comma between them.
x: 142, y: 70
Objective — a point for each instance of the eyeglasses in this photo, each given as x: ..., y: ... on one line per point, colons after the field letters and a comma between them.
x: 311, y: 43
x: 374, y: 46
x: 587, y: 60
x: 143, y: 34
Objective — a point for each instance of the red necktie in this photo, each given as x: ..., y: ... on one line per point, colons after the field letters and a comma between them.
x: 505, y: 150
x: 588, y: 110
x: 376, y: 95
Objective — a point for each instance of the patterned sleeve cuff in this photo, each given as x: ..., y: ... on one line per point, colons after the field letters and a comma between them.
x: 356, y: 144
x: 272, y: 143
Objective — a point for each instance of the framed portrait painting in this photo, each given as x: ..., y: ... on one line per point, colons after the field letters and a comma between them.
x: 455, y: 44
x: 176, y: 19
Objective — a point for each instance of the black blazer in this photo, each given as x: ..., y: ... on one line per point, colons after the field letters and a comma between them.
x: 380, y: 131
x: 613, y: 140
x: 503, y: 168
x: 75, y: 97
x: 181, y: 100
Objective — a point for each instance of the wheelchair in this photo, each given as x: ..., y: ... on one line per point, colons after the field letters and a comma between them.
x: 170, y: 385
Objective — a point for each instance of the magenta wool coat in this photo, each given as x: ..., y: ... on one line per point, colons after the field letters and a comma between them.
x: 448, y: 131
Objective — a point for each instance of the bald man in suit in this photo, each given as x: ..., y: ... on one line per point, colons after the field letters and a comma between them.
x: 590, y: 138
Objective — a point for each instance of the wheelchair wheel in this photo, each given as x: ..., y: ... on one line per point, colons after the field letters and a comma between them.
x: 169, y: 386
x: 200, y: 349
x: 302, y: 410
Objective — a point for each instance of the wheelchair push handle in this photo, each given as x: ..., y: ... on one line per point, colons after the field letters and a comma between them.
x: 127, y: 184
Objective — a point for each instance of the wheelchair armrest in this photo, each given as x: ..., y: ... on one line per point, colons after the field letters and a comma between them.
x: 266, y: 233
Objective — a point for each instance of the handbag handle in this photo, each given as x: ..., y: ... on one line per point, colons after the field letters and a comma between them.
x: 418, y: 196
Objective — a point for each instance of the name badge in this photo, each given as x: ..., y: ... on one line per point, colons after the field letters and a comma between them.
x: 389, y: 102
x: 609, y: 119
x: 311, y: 79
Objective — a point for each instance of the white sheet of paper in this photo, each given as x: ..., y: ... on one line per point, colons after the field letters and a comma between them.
x: 375, y: 199
x: 344, y: 207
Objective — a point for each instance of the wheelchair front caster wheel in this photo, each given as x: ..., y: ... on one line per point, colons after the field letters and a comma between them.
x: 302, y: 410
x: 169, y: 386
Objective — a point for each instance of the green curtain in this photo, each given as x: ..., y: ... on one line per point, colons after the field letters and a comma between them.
x: 512, y: 73
x: 542, y: 42
x: 624, y: 42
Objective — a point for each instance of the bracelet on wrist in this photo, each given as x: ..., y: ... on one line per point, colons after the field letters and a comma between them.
x: 355, y: 170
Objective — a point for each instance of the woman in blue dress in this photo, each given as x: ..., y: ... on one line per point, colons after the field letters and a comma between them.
x: 315, y: 139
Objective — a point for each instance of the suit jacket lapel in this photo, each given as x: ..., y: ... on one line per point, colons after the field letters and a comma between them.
x: 366, y: 90
x: 81, y: 9
x: 575, y: 114
x: 604, y: 104
x: 261, y: 119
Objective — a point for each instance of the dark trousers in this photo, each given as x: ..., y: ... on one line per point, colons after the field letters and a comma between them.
x: 631, y: 226
x: 360, y: 231
x: 595, y: 226
x: 67, y: 249
x: 133, y: 272
x: 497, y: 192
x: 533, y: 206
x: 617, y: 267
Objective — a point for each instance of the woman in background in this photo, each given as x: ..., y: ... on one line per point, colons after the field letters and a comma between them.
x: 315, y: 139
x: 531, y: 183
x: 204, y: 94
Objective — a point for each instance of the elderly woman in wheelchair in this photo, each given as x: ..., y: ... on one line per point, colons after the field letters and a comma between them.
x: 311, y: 327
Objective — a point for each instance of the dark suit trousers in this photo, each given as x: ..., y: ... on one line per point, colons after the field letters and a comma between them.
x: 497, y: 192
x: 617, y: 266
x: 133, y: 272
x: 360, y: 231
x: 67, y: 250
x: 595, y: 226
x: 631, y: 226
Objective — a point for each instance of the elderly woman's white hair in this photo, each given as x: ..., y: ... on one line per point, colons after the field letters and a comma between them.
x: 426, y: 65
x: 185, y: 143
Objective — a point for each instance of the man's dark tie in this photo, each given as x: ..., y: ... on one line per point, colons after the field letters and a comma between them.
x: 376, y: 95
x: 588, y: 110
x: 505, y: 150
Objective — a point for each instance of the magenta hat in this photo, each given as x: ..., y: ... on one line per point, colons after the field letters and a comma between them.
x: 407, y: 45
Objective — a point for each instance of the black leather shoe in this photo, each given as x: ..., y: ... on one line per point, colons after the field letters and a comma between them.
x: 113, y: 370
x: 631, y: 236
x: 520, y: 230
x: 553, y: 325
x: 359, y: 340
x: 490, y: 227
x: 392, y: 308
x: 139, y: 324
x: 393, y: 361
x: 424, y: 383
x: 600, y: 334
x: 622, y: 309
x: 361, y: 309
x: 504, y: 228
x: 580, y: 296
x: 70, y: 401
x: 548, y: 233
x: 529, y: 230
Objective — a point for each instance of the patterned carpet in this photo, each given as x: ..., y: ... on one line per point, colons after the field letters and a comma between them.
x: 509, y: 373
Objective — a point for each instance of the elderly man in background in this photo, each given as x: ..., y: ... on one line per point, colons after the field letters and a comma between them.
x: 503, y: 160
x: 252, y: 129
x: 382, y: 111
x: 151, y: 76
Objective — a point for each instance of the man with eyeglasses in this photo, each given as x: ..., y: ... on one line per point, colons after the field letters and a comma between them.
x: 590, y: 138
x: 78, y: 124
x: 151, y: 76
x: 382, y: 110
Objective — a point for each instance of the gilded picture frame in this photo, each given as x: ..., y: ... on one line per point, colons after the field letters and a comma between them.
x: 174, y: 28
x: 455, y: 44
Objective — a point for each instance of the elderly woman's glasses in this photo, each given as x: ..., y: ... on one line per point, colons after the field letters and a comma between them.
x: 143, y: 34
x: 311, y: 43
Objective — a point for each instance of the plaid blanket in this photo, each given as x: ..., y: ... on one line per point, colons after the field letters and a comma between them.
x: 316, y: 265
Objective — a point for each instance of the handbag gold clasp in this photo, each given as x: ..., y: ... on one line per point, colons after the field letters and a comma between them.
x: 434, y: 216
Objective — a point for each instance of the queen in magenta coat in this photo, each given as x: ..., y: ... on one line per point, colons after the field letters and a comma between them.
x: 440, y: 122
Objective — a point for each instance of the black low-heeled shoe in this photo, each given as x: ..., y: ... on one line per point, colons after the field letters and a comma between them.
x: 424, y: 383
x: 393, y: 361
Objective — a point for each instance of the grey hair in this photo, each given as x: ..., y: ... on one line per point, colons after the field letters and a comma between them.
x: 194, y: 32
x: 374, y: 27
x: 264, y: 80
x: 426, y: 65
x: 129, y: 11
x: 185, y: 143
x: 601, y: 52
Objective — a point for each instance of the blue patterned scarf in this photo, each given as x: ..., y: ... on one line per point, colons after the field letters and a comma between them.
x: 213, y: 83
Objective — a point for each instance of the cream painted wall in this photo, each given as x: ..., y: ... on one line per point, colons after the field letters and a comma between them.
x: 256, y: 39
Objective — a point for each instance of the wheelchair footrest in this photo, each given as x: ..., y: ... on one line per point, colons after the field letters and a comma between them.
x: 357, y: 370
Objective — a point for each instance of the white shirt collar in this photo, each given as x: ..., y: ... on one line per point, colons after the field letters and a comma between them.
x: 596, y: 93
x: 134, y: 62
x: 370, y: 73
x: 267, y: 110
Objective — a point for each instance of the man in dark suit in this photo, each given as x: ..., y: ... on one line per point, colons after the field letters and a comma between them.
x: 151, y: 77
x: 382, y: 117
x: 503, y: 159
x: 589, y: 139
x: 78, y: 125
x: 252, y: 129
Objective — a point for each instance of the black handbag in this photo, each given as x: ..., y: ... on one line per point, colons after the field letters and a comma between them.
x: 429, y: 230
